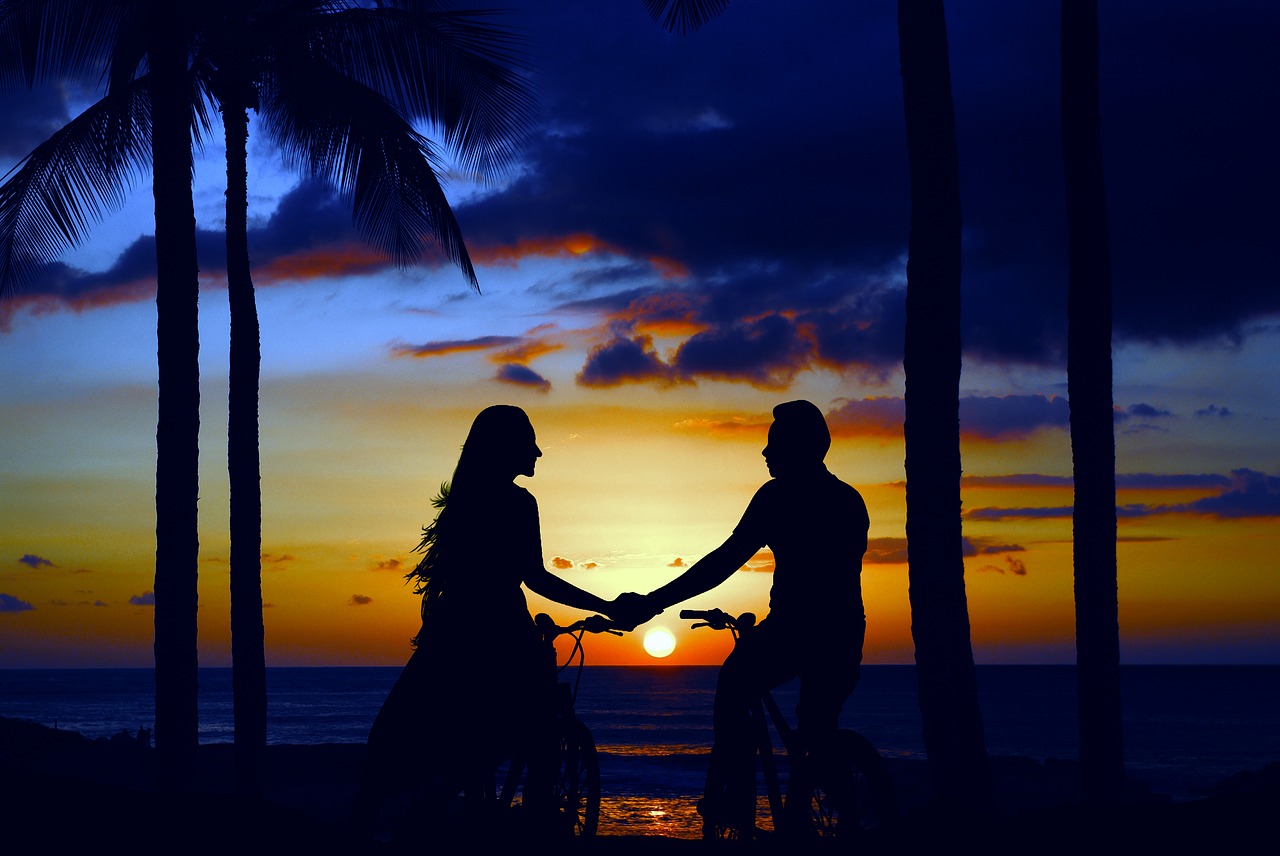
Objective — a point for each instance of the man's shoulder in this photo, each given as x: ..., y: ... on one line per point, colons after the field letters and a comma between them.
x: 826, y: 488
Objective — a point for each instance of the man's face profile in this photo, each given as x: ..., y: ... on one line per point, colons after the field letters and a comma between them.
x: 781, y: 452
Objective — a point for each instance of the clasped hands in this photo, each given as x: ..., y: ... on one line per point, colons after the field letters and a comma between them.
x: 631, y: 609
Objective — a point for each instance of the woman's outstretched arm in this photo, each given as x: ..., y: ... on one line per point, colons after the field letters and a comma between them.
x: 543, y: 582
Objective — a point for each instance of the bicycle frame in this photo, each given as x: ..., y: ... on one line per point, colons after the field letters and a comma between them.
x: 808, y: 807
x: 577, y: 755
x: 764, y: 703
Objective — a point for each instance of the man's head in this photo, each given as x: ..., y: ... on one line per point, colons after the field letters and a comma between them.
x: 798, y: 438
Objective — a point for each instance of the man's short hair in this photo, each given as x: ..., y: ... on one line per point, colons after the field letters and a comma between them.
x: 803, y: 423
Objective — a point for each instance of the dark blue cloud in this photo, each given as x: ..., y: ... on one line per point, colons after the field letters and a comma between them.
x: 309, y: 217
x: 1146, y: 411
x: 1008, y: 416
x: 1246, y: 494
x: 1252, y: 494
x: 893, y: 551
x: 31, y: 116
x: 765, y: 152
x: 766, y: 352
x: 1017, y: 480
x: 9, y: 603
x: 624, y: 359
x: 33, y: 561
x: 1170, y: 481
x: 147, y: 598
x: 521, y: 375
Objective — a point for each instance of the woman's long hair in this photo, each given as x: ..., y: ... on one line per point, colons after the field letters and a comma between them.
x: 485, y: 461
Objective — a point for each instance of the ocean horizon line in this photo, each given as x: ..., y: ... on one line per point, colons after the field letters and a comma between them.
x: 712, y: 665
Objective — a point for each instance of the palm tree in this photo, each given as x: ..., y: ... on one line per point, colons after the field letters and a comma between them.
x: 952, y: 721
x: 953, y: 735
x: 178, y: 431
x: 235, y: 94
x: 1093, y: 448
x: 47, y: 204
x: 335, y: 84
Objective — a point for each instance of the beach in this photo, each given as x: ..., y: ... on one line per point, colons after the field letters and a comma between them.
x: 63, y: 792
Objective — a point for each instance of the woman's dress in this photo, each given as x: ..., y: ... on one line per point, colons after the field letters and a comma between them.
x: 480, y: 681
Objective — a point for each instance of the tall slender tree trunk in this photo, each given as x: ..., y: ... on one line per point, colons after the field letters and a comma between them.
x: 1093, y: 448
x: 952, y: 722
x: 178, y: 425
x: 248, y: 657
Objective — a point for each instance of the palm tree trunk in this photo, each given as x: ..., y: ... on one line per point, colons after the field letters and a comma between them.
x: 1093, y: 450
x: 178, y: 425
x: 952, y: 722
x: 248, y: 657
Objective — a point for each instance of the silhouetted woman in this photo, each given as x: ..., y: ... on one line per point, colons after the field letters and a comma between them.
x: 479, y: 682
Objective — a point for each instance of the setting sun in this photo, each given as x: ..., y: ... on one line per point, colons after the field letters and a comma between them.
x: 659, y: 642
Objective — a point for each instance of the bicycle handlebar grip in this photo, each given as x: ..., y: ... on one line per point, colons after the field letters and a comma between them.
x: 597, y: 624
x: 695, y: 613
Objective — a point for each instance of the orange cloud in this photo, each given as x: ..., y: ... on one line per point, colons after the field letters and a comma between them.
x: 886, y: 551
x: 878, y: 416
x: 98, y: 298
x: 576, y: 244
x: 524, y: 352
x: 733, y: 426
x: 340, y: 260
x: 560, y: 563
x: 359, y: 600
x: 452, y: 346
x: 665, y: 314
x: 509, y: 255
x: 668, y: 268
x: 1017, y: 567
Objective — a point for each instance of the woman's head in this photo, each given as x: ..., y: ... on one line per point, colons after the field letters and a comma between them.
x: 500, y: 445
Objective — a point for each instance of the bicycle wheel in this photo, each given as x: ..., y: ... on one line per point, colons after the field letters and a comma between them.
x: 844, y: 794
x: 577, y: 785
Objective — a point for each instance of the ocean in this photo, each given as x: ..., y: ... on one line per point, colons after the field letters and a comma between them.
x: 1186, y: 727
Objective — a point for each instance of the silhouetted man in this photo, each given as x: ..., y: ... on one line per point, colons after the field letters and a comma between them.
x: 816, y: 527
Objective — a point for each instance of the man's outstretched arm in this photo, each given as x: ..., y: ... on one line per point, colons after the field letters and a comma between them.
x: 705, y: 574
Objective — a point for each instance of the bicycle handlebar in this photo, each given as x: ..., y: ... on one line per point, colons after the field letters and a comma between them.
x: 718, y: 619
x: 591, y: 624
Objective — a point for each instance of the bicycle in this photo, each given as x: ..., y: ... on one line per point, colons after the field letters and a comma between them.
x: 839, y: 794
x: 469, y: 800
x: 576, y: 785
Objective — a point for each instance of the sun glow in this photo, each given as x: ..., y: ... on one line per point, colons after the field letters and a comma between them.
x: 659, y: 642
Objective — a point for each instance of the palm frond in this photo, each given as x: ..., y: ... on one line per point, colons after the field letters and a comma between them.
x: 51, y: 198
x: 338, y: 130
x: 683, y: 16
x: 58, y: 38
x: 458, y: 70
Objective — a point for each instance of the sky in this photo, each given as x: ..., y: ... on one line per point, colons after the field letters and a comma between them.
x: 700, y: 227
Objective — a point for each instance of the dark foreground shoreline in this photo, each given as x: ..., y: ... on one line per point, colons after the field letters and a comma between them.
x: 61, y: 792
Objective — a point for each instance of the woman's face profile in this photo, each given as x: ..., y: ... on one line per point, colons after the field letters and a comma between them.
x: 525, y: 452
